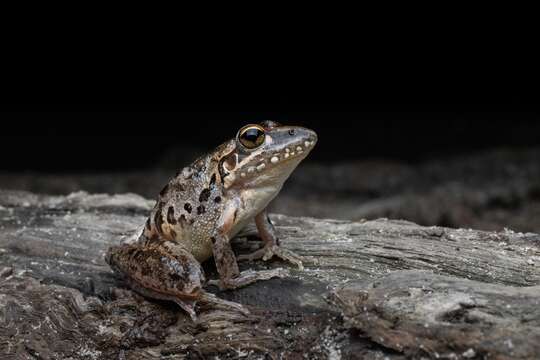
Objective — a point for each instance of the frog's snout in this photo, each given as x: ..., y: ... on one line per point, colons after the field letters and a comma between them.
x: 312, y: 136
x: 304, y: 137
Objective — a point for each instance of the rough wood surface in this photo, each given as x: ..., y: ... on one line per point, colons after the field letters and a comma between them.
x: 413, y: 311
x: 59, y: 300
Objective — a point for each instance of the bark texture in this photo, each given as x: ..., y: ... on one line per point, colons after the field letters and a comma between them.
x: 419, y: 314
x: 367, y: 291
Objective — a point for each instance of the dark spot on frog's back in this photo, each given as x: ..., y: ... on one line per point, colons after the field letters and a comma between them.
x: 152, y: 239
x: 200, y: 166
x: 158, y: 219
x: 205, y: 194
x: 170, y: 216
x: 201, y: 209
x: 182, y: 220
x: 164, y: 190
x: 213, y: 179
x: 217, y: 200
x: 179, y: 186
x: 187, y: 207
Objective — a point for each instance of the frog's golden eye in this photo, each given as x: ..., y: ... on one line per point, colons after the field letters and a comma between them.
x: 251, y: 136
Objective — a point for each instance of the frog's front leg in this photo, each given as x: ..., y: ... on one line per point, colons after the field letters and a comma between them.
x: 271, y: 247
x: 230, y: 276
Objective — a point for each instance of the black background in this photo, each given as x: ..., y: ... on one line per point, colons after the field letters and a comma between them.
x: 80, y: 100
x: 117, y: 140
x: 97, y: 128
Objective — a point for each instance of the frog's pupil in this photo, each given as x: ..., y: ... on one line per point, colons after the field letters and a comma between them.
x: 252, y: 137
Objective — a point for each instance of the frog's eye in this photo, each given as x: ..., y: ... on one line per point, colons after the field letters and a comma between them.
x: 251, y: 136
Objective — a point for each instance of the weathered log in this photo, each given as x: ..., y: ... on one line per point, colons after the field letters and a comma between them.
x: 58, y: 298
x: 423, y: 314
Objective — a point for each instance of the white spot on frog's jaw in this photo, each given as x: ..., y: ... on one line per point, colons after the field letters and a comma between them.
x: 307, y: 144
x: 260, y: 167
x: 274, y: 159
x: 229, y: 180
x: 292, y: 153
x: 286, y: 154
x: 243, y: 174
x: 287, y: 150
x: 298, y: 148
x: 251, y: 169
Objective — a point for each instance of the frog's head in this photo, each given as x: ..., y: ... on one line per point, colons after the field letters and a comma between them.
x: 265, y: 154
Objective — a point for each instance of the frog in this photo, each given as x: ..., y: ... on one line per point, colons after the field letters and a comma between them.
x: 203, y: 207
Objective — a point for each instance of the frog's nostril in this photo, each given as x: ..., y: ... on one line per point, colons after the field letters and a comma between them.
x: 292, y: 132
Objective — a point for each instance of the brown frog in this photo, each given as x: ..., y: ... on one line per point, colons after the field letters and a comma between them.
x: 206, y: 205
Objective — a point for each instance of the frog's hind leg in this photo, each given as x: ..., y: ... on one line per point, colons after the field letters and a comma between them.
x: 160, y: 270
x: 187, y: 304
x: 215, y: 302
x: 271, y: 247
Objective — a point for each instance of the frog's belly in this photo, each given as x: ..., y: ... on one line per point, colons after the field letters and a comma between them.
x: 200, y: 247
x: 197, y: 238
x: 202, y: 251
x: 253, y: 202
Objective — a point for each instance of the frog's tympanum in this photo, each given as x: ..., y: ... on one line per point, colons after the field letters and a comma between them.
x: 206, y: 205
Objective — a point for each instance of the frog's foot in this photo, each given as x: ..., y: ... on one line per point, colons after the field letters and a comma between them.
x: 188, y: 306
x: 269, y: 251
x: 271, y: 247
x: 215, y: 302
x: 248, y: 277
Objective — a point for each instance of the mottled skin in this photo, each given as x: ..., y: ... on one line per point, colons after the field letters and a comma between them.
x: 206, y: 205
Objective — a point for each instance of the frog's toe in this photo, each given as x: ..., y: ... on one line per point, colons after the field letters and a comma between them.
x: 266, y: 274
x: 285, y: 255
x: 256, y: 255
x: 219, y: 303
x: 217, y: 283
x: 188, y: 306
x: 249, y: 277
x: 269, y: 252
x: 213, y: 282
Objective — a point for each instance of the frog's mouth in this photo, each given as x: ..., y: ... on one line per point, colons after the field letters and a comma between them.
x: 279, y: 158
x: 270, y: 164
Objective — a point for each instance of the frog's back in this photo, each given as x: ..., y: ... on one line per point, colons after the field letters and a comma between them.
x: 188, y: 208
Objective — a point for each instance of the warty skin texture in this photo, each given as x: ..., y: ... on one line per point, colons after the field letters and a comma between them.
x: 204, y: 206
